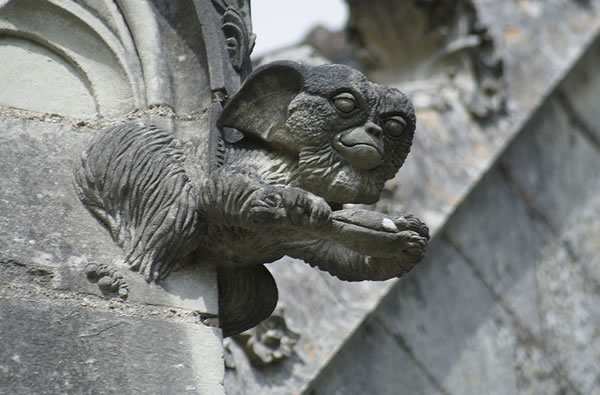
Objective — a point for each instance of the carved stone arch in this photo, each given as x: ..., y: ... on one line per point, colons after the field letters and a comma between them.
x: 40, y: 94
x: 76, y: 46
x: 146, y: 37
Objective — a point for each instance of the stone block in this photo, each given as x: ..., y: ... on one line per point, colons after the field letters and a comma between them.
x: 453, y: 325
x: 49, y: 347
x: 372, y: 363
x: 582, y: 88
x: 43, y: 223
x: 192, y: 288
x: 569, y: 294
x: 446, y: 325
x: 536, y: 373
x: 42, y: 220
x: 495, y: 231
x: 553, y: 165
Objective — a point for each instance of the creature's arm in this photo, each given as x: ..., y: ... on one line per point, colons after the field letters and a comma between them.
x: 361, y: 245
x: 353, y: 244
x: 237, y: 197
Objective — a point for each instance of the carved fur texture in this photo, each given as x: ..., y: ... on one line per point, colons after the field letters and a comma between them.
x: 314, y: 138
x: 132, y: 180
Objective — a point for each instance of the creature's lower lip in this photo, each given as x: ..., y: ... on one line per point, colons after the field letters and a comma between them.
x: 361, y: 155
x: 368, y: 146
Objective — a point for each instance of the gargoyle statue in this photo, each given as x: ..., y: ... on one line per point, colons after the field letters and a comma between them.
x: 314, y: 139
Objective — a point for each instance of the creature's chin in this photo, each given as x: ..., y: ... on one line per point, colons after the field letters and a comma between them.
x: 324, y: 172
x: 348, y: 186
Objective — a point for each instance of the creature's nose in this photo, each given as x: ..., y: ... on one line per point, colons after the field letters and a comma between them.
x: 373, y: 129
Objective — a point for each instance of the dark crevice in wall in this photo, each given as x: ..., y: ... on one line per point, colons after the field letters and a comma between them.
x: 577, y: 120
x: 34, y: 283
x: 533, y: 211
x: 406, y: 348
x: 162, y: 110
x: 13, y: 270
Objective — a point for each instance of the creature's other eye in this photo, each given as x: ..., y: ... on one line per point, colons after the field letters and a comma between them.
x: 345, y: 102
x: 394, y: 126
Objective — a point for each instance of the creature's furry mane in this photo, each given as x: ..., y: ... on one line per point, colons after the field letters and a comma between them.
x: 132, y: 180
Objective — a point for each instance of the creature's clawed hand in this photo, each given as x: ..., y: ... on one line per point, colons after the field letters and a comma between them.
x: 291, y: 207
x: 412, y: 223
x: 413, y: 236
x: 378, y: 235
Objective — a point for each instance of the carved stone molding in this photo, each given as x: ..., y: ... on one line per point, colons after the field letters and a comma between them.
x: 114, y: 57
x: 64, y: 45
x: 237, y: 28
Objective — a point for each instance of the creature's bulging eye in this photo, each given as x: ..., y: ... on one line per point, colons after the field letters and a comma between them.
x: 345, y: 102
x: 394, y: 126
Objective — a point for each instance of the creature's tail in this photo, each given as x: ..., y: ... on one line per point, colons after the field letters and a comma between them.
x: 133, y: 181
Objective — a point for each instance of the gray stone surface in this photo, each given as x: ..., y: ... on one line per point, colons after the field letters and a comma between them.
x: 582, y: 95
x: 453, y: 326
x: 547, y: 29
x: 486, y: 246
x: 536, y: 197
x: 378, y: 354
x: 565, y: 165
x: 44, y: 223
x: 71, y: 68
x: 569, y: 295
x: 81, y: 55
x: 42, y: 219
x: 69, y: 348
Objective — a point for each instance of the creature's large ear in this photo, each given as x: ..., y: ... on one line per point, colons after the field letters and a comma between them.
x: 261, y: 103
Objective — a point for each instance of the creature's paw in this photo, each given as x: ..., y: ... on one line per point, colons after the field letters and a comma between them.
x: 411, y: 244
x: 378, y: 235
x: 292, y: 206
x: 405, y: 250
x: 412, y: 223
x: 109, y: 280
x: 411, y: 237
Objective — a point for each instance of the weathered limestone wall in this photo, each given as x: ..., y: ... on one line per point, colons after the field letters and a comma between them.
x: 68, y: 69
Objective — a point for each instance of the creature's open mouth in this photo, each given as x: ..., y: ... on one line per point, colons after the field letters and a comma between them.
x: 362, y: 155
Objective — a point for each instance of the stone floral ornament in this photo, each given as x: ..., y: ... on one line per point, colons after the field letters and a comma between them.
x: 314, y: 139
x: 268, y: 343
